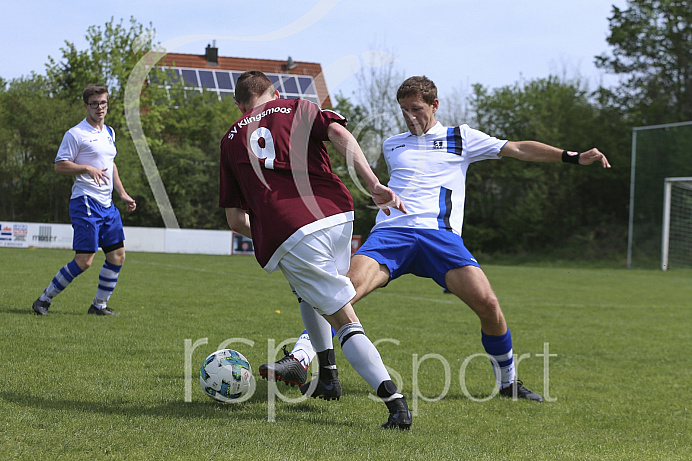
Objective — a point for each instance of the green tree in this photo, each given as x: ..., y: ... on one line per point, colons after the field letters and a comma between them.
x: 113, y: 52
x: 514, y: 206
x: 652, y: 52
x: 183, y: 132
x: 32, y: 128
x: 111, y: 55
x: 188, y: 159
x: 36, y: 111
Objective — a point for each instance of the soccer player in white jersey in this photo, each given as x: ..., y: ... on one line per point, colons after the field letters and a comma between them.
x: 427, y: 168
x: 87, y: 152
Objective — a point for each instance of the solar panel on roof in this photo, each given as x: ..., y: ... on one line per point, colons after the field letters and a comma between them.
x: 223, y: 83
x: 224, y: 80
x: 206, y: 78
x: 306, y: 86
x: 190, y: 76
x: 172, y: 76
x: 290, y: 84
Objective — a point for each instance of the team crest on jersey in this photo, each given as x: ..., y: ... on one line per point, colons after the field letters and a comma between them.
x: 439, y: 145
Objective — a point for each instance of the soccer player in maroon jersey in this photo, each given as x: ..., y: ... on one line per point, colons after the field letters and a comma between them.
x: 278, y: 188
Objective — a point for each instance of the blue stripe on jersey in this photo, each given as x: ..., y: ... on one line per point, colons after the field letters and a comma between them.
x: 445, y: 201
x: 454, y: 145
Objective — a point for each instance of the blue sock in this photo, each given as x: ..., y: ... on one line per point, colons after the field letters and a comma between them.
x: 499, y: 348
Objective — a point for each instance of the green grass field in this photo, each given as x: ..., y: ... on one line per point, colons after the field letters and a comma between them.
x: 74, y: 386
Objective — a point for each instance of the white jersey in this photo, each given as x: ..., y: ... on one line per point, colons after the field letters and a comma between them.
x: 428, y: 172
x: 85, y: 145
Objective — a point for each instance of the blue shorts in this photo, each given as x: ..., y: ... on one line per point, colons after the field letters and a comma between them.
x: 94, y: 225
x: 427, y: 253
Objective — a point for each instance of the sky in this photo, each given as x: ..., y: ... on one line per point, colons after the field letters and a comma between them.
x: 456, y: 43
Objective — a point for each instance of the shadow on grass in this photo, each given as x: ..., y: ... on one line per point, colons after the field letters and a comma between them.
x: 18, y: 311
x: 29, y: 310
x: 205, y: 410
x: 451, y: 395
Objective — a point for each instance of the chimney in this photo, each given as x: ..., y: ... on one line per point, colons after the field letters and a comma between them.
x: 212, y: 54
x: 290, y: 64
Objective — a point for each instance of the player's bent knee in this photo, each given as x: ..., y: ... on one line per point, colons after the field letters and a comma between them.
x: 488, y: 308
x: 84, y: 259
x: 115, y: 253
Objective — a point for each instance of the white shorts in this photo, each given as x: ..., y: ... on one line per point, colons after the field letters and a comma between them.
x: 316, y: 268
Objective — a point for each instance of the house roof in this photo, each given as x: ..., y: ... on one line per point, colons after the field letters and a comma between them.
x: 199, y: 61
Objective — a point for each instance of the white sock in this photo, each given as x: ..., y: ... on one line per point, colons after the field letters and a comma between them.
x: 319, y: 330
x: 362, y: 354
x: 303, y: 351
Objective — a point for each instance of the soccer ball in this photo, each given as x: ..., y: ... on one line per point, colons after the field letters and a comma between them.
x: 226, y: 376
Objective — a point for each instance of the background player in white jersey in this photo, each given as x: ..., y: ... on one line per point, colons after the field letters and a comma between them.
x: 87, y: 152
x: 428, y: 167
x: 278, y: 188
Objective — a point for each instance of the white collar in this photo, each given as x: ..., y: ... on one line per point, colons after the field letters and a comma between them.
x: 437, y: 128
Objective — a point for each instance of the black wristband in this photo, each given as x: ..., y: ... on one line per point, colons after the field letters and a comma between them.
x: 570, y: 157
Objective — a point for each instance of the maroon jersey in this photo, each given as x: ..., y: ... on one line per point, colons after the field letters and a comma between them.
x: 274, y: 165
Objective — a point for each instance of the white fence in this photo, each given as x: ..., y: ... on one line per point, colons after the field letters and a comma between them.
x: 149, y: 239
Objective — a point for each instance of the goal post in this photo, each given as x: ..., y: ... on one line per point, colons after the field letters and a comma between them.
x: 676, y: 244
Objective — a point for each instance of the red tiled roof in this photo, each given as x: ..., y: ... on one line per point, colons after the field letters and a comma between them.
x: 199, y: 61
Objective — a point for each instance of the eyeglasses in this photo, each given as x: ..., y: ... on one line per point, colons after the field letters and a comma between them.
x: 96, y: 104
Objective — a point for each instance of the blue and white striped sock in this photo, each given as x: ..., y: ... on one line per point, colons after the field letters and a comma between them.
x: 499, y: 348
x: 108, y: 278
x: 63, y: 278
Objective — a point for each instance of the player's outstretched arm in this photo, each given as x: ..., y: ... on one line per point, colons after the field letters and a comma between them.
x: 533, y: 151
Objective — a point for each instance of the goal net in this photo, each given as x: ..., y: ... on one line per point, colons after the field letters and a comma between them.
x: 677, y: 223
x: 658, y: 152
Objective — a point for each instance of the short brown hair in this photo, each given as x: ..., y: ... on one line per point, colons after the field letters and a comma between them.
x: 252, y: 84
x: 418, y: 86
x: 91, y: 90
